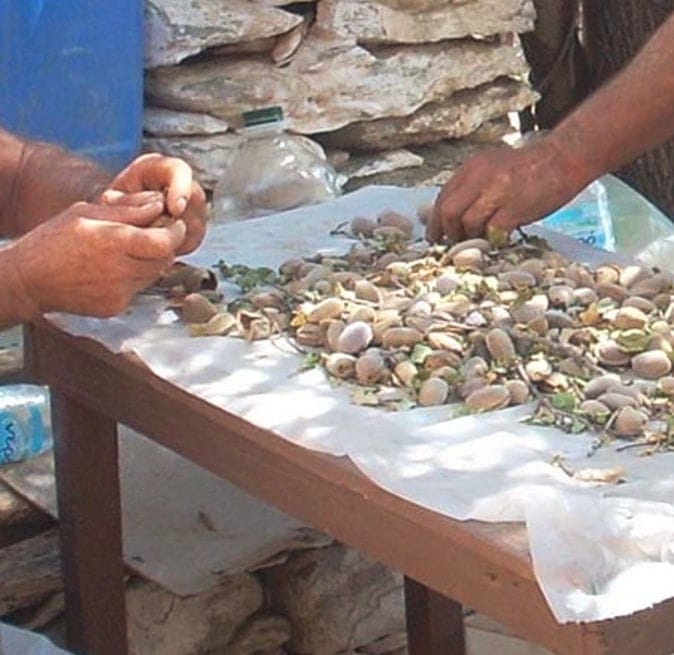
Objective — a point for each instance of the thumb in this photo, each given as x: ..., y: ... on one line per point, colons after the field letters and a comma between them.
x: 156, y: 242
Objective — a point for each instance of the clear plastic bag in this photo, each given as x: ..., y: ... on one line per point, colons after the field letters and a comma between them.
x: 586, y: 218
x: 15, y: 641
x: 609, y: 214
x: 273, y: 171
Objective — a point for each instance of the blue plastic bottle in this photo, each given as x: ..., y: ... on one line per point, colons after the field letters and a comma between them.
x: 71, y: 73
x: 25, y: 422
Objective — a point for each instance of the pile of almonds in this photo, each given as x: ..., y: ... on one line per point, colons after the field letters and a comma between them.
x: 408, y: 324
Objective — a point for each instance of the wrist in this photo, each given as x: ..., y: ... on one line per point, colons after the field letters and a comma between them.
x: 577, y: 169
x: 17, y: 304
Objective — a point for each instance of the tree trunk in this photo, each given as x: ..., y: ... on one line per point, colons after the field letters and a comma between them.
x: 614, y: 30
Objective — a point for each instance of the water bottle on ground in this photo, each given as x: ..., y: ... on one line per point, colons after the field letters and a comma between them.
x: 25, y: 422
x: 273, y: 170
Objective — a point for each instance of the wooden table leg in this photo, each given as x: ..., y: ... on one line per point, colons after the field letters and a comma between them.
x: 434, y: 622
x: 87, y: 476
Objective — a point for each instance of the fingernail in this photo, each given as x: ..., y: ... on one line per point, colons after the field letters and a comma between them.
x: 181, y: 205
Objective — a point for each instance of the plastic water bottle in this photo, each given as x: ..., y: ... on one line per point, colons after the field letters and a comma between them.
x: 273, y: 170
x: 25, y: 422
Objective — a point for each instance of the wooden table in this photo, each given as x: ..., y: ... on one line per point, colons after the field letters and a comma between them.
x: 447, y: 563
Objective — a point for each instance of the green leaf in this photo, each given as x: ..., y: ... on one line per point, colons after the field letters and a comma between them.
x: 565, y: 401
x: 246, y: 277
x: 419, y: 353
x: 311, y: 360
x: 364, y: 396
x: 632, y: 340
x: 577, y: 426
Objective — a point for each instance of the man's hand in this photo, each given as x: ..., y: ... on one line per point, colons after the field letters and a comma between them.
x: 503, y: 189
x: 91, y: 259
x: 185, y: 199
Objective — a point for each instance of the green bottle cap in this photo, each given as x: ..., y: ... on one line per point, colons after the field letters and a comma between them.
x: 264, y: 116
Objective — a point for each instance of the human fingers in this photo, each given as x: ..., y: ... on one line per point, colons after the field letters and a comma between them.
x: 505, y: 221
x: 196, y: 218
x: 137, y: 199
x: 476, y: 217
x: 138, y: 215
x: 155, y: 171
x: 454, y: 200
x: 154, y: 242
x: 145, y: 272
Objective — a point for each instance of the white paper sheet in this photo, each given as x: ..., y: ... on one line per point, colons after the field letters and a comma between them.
x: 182, y: 526
x: 598, y: 552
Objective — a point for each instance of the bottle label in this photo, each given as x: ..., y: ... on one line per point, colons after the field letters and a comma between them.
x: 11, y: 438
x: 22, y: 433
x: 37, y: 432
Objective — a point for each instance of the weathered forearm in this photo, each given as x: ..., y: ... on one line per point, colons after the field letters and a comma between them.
x: 15, y: 304
x: 630, y: 115
x: 38, y: 180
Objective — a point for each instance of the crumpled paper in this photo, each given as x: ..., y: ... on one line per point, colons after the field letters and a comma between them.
x: 599, y: 551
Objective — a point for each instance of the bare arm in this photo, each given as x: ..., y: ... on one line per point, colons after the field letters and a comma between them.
x: 628, y: 116
x: 631, y: 114
x: 88, y: 257
x: 38, y: 180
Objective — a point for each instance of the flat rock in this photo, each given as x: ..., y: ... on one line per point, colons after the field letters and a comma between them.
x: 30, y: 571
x: 441, y: 160
x: 160, y: 622
x: 382, y: 21
x: 15, y: 510
x: 260, y: 635
x: 332, y: 82
x: 166, y: 122
x: 209, y: 156
x: 386, y: 645
x: 367, y: 165
x: 336, y: 600
x: 459, y: 115
x: 174, y: 29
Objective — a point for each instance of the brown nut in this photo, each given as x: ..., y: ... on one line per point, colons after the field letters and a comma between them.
x: 595, y: 409
x: 666, y: 386
x: 629, y: 422
x: 433, y: 391
x: 341, y: 365
x: 399, y: 337
x: 355, y: 337
x: 363, y: 226
x: 614, y: 400
x: 396, y: 219
x: 406, y: 372
x: 600, y: 385
x: 197, y: 309
x: 610, y: 354
x: 652, y: 364
x: 629, y: 317
x: 519, y: 392
x: 365, y: 290
x: 470, y: 258
x: 487, y: 398
x: 500, y: 346
x: 370, y: 368
x: 326, y: 309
